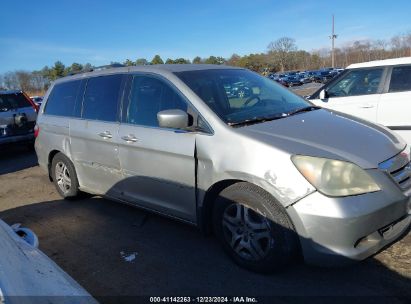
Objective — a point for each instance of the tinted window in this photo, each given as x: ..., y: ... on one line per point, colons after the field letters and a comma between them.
x: 13, y: 101
x: 400, y: 79
x: 62, y: 99
x: 149, y: 96
x: 357, y: 82
x: 101, y: 98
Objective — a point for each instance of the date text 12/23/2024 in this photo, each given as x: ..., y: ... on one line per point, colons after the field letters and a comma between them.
x: 239, y: 299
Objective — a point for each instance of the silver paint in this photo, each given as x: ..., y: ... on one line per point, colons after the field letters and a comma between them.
x: 171, y: 171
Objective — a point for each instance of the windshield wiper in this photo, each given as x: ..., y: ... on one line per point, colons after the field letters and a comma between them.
x: 256, y: 120
x: 300, y: 110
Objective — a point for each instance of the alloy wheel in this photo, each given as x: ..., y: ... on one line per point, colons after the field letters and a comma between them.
x: 247, y: 232
x: 62, y: 175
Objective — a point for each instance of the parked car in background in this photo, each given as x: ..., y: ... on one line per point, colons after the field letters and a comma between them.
x: 27, y: 273
x: 310, y: 75
x: 276, y: 76
x: 279, y: 78
x: 37, y: 100
x: 339, y: 70
x: 18, y: 115
x: 291, y: 81
x: 379, y: 91
x: 272, y: 175
x: 322, y: 76
x: 302, y: 77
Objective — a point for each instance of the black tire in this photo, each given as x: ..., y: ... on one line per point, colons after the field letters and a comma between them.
x: 275, y: 238
x: 61, y: 169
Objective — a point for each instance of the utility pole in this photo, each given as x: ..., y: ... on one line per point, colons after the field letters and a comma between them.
x: 333, y: 37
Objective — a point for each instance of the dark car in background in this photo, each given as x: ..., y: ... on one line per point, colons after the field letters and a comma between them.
x: 18, y: 115
x: 310, y: 75
x: 291, y: 81
x: 323, y: 76
x: 303, y: 78
x: 277, y: 76
x: 37, y: 100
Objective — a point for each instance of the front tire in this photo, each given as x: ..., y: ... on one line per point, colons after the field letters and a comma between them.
x: 64, y: 176
x: 251, y: 239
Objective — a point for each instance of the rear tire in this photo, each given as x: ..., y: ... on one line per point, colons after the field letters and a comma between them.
x: 250, y: 238
x: 64, y: 176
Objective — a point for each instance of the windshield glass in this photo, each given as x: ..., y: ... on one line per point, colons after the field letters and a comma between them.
x: 240, y: 95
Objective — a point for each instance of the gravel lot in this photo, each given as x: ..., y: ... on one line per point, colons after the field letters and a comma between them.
x: 91, y: 238
x: 306, y: 89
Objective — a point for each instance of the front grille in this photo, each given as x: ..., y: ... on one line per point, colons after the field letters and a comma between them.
x: 399, y: 168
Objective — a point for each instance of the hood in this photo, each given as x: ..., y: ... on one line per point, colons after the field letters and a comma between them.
x: 327, y: 134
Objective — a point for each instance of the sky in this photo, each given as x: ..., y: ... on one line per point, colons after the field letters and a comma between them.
x: 38, y: 33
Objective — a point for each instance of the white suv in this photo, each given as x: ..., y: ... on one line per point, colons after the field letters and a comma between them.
x: 379, y: 91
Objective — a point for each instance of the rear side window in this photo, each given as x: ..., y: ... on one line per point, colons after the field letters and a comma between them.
x: 400, y: 79
x: 62, y: 99
x: 101, y: 98
x: 13, y: 101
x: 149, y: 96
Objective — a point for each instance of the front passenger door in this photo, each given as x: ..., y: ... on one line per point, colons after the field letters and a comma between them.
x: 158, y: 163
x: 357, y: 93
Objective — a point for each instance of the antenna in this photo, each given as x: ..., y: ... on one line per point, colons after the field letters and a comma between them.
x: 333, y: 37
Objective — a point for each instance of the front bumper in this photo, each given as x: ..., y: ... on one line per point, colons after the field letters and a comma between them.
x: 335, y: 231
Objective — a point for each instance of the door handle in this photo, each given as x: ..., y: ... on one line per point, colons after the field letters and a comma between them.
x: 130, y: 138
x: 105, y: 134
x: 366, y: 106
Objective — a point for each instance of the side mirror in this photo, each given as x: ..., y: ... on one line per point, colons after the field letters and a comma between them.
x: 174, y: 119
x: 323, y: 94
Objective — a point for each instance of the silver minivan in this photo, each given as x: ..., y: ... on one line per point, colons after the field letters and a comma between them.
x: 271, y: 175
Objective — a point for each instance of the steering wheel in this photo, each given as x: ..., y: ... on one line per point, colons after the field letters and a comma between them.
x: 252, y: 97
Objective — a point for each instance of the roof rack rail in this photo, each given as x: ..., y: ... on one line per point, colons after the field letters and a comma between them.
x: 108, y: 66
x: 99, y: 68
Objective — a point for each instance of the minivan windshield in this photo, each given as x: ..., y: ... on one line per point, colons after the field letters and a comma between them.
x: 240, y: 96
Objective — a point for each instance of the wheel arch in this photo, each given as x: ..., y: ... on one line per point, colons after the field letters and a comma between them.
x: 50, y: 160
x: 205, y: 209
x: 205, y: 206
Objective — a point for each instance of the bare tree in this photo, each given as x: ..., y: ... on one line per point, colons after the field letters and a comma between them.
x: 396, y: 45
x: 407, y: 40
x: 280, y: 49
x: 10, y: 81
x: 24, y: 78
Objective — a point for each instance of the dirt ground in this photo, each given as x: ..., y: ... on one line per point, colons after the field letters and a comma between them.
x: 117, y: 250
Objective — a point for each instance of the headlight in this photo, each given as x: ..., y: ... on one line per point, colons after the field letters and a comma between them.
x: 334, y: 177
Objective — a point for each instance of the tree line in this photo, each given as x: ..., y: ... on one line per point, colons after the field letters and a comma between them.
x: 281, y: 55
